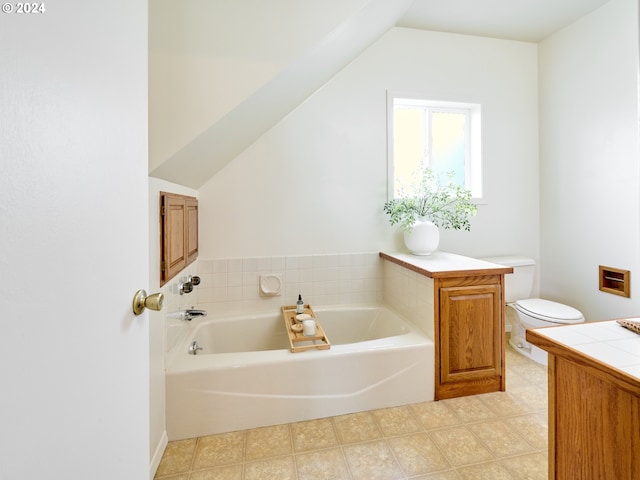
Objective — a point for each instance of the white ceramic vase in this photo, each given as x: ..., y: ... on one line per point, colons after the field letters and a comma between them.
x: 423, y: 239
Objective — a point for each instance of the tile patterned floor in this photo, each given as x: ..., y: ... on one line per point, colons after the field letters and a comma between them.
x: 494, y: 436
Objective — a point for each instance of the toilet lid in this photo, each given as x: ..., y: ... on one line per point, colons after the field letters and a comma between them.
x: 549, y: 311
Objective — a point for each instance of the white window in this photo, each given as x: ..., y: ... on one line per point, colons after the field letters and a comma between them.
x: 442, y: 136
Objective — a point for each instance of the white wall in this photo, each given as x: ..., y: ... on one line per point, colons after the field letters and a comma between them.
x: 74, y: 359
x: 589, y: 159
x: 316, y: 182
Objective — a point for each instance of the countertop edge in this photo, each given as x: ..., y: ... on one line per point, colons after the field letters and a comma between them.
x: 471, y: 272
x: 593, y: 366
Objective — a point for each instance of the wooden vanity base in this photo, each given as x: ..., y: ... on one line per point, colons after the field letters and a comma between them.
x: 594, y: 417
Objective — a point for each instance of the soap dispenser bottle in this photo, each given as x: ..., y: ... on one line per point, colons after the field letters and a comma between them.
x: 299, y: 305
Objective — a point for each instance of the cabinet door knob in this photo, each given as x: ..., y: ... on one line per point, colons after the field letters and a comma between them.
x: 142, y: 301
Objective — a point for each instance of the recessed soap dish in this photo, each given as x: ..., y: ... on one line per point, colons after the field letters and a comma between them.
x: 271, y: 284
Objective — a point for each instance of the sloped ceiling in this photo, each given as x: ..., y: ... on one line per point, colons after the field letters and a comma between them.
x: 205, y: 108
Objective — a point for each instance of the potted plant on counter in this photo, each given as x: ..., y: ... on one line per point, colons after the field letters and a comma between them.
x: 435, y: 203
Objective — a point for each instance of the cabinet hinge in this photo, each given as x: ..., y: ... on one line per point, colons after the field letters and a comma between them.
x: 163, y: 210
x: 163, y: 266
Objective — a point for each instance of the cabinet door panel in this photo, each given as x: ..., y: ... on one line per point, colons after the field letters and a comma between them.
x: 470, y: 332
x: 175, y: 255
x: 192, y: 229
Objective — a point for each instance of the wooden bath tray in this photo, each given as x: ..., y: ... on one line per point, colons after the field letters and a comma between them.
x: 299, y: 342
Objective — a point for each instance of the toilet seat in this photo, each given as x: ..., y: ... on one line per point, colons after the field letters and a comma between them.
x: 548, y: 311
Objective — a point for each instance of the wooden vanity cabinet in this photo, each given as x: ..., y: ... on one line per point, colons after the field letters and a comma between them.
x: 594, y: 407
x: 178, y: 233
x: 469, y: 332
x: 468, y: 319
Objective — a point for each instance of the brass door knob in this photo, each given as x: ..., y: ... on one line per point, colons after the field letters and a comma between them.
x: 142, y: 301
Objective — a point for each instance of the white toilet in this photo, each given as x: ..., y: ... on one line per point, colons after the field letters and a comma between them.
x: 524, y: 312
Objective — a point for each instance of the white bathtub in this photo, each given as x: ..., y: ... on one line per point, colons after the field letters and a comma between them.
x: 246, y: 377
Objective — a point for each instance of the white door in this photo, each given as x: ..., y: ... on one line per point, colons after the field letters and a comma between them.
x: 73, y: 240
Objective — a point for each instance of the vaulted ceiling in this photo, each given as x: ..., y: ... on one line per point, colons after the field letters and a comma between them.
x: 222, y: 73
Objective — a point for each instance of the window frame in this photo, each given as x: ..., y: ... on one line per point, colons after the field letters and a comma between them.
x: 473, y: 148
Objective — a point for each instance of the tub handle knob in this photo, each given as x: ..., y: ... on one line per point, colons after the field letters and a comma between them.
x: 185, y: 287
x: 193, y: 348
x: 187, y: 283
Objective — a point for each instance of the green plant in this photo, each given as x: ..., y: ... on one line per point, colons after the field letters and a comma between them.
x: 446, y: 204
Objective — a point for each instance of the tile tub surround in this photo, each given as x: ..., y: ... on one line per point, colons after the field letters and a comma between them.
x: 231, y: 285
x: 500, y: 435
x: 410, y: 294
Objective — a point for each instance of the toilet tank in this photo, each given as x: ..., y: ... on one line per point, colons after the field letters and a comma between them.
x: 517, y: 285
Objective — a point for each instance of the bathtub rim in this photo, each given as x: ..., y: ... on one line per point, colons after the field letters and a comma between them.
x: 179, y: 361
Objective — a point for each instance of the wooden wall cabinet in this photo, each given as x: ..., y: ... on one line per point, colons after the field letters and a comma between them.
x: 469, y: 332
x: 178, y: 234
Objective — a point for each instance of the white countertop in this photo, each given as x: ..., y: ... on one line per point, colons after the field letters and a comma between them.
x: 607, y: 342
x: 444, y: 262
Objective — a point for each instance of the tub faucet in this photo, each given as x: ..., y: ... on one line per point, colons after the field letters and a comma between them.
x: 191, y: 313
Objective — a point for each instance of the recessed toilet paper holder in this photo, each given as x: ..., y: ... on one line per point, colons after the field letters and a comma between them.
x: 614, y: 280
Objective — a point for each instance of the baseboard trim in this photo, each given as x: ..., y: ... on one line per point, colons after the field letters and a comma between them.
x: 157, y: 455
